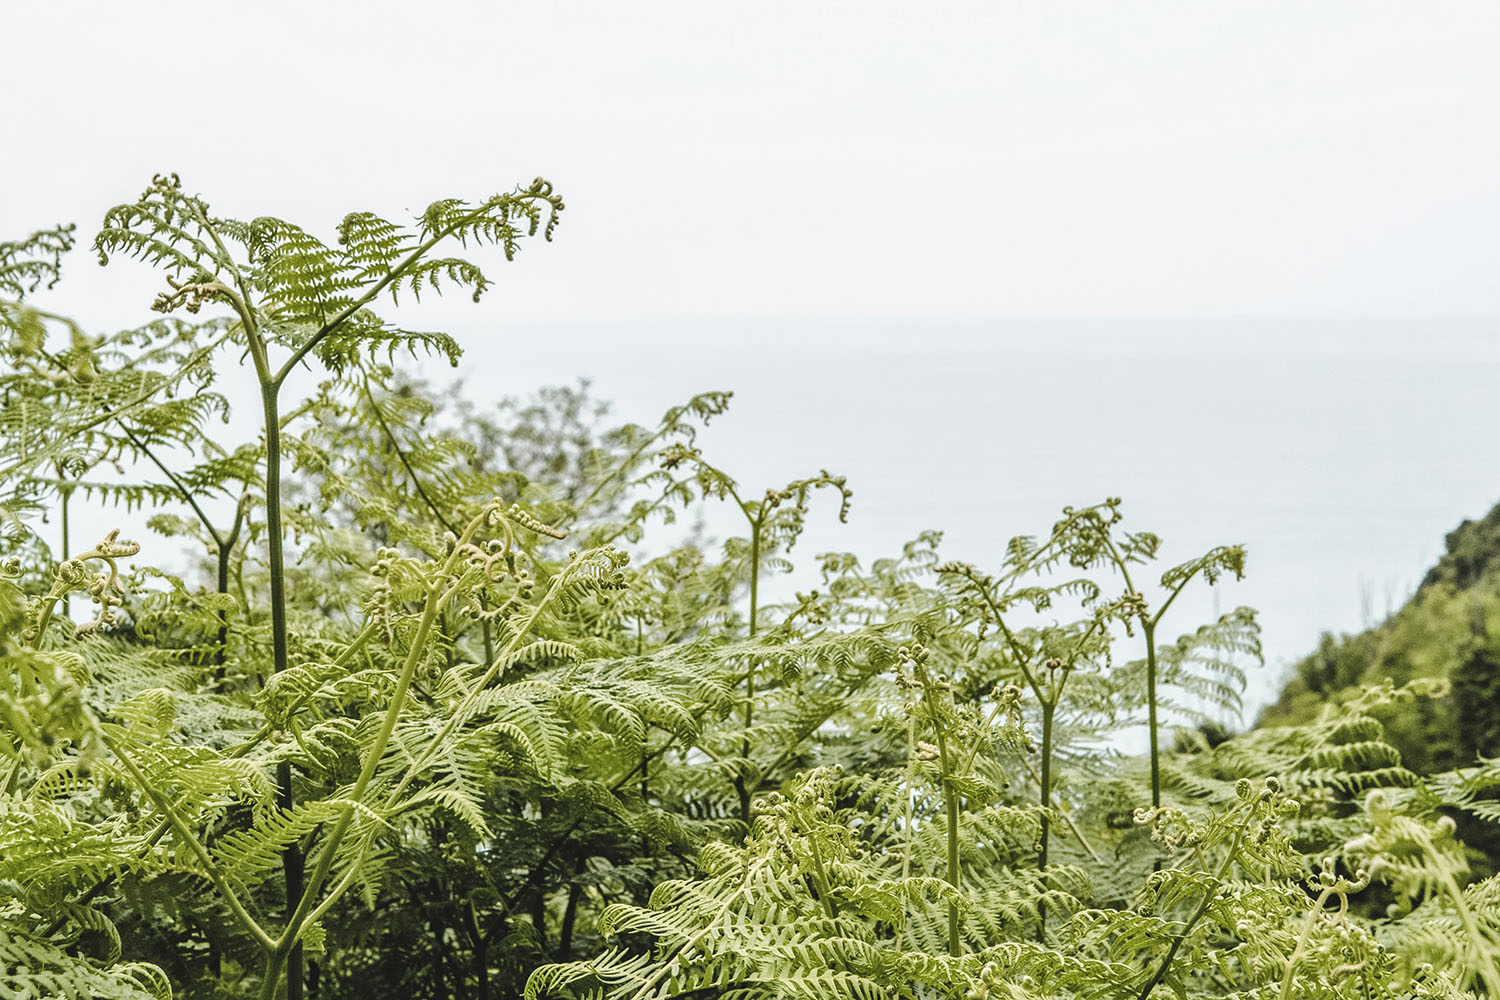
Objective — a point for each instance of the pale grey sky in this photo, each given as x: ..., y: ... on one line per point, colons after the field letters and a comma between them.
x: 810, y: 158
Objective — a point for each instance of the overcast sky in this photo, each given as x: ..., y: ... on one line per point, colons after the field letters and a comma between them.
x: 809, y: 158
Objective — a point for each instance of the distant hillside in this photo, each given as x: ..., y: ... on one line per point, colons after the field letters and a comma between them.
x: 1450, y: 628
x: 1473, y: 553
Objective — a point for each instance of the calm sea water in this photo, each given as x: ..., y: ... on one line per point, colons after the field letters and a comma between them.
x: 1339, y: 452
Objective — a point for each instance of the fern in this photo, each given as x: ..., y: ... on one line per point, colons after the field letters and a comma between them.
x: 438, y: 711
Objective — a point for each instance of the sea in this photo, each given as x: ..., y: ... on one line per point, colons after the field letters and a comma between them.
x: 1338, y: 452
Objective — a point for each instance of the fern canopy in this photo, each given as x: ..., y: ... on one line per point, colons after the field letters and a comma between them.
x: 445, y: 706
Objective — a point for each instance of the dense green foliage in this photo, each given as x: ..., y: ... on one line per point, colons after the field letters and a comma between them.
x: 1448, y: 630
x: 450, y: 710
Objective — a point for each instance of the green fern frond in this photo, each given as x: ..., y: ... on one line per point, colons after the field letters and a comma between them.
x: 32, y: 968
x: 34, y: 262
x: 246, y: 855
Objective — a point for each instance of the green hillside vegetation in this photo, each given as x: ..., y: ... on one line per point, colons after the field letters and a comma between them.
x: 1448, y: 630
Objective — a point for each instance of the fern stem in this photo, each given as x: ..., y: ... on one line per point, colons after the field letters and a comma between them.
x: 436, y: 597
x: 354, y: 646
x: 480, y: 940
x: 1149, y: 629
x: 1015, y: 647
x: 210, y: 870
x: 298, y: 918
x: 292, y: 862
x: 177, y: 484
x: 570, y: 915
x: 390, y: 436
x: 12, y: 781
x: 1203, y: 905
x: 439, y: 946
x: 909, y: 805
x: 291, y: 858
x: 273, y: 530
x: 226, y: 549
x: 224, y: 544
x: 754, y: 584
x: 1172, y: 596
x: 271, y: 976
x: 1471, y: 928
x: 950, y: 804
x: 1048, y: 710
x: 1063, y: 815
x: 1302, y: 939
x: 825, y: 885
x: 66, y: 495
x: 460, y: 712
x: 741, y: 782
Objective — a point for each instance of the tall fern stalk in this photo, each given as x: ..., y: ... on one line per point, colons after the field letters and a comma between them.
x: 742, y: 786
x: 269, y: 385
x: 64, y: 498
x: 780, y: 511
x: 938, y: 714
x: 287, y: 950
x: 169, y: 226
x: 1209, y: 566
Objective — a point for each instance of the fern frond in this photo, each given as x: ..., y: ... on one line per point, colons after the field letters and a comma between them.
x: 34, y: 262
